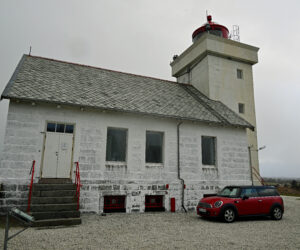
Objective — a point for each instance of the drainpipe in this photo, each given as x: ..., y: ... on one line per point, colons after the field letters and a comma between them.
x: 250, y: 163
x: 178, y: 166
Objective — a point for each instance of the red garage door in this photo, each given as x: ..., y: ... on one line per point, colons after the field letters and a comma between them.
x: 114, y: 204
x: 154, y: 203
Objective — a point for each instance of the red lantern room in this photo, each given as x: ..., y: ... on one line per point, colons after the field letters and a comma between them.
x: 212, y: 28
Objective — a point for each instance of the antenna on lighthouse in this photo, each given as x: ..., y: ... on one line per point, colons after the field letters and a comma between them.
x: 235, y: 33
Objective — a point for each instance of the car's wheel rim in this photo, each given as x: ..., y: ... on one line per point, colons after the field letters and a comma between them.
x: 277, y: 213
x: 229, y: 215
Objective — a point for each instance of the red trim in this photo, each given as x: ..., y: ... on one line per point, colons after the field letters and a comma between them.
x: 212, y: 26
x: 30, y: 186
x: 77, y: 183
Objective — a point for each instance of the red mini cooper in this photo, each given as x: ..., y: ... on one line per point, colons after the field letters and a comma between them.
x: 238, y: 201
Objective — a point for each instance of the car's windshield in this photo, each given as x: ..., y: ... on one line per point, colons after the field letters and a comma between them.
x: 229, y: 192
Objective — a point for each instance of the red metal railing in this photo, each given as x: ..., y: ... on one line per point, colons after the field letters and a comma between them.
x: 257, y: 175
x: 77, y: 183
x: 30, y: 186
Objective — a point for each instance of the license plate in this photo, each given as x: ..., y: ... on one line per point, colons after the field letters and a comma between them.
x: 203, y: 210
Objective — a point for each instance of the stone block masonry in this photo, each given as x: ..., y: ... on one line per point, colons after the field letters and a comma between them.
x: 13, y: 195
x: 134, y: 178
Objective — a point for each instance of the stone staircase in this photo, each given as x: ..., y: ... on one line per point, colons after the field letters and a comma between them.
x: 53, y: 203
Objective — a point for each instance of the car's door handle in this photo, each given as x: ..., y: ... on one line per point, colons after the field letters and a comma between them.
x: 236, y: 201
x: 259, y: 200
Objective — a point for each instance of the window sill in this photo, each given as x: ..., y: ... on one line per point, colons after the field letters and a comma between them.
x: 118, y: 164
x: 154, y: 165
x: 209, y: 167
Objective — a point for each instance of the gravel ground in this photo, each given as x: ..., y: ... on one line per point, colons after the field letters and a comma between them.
x: 166, y: 231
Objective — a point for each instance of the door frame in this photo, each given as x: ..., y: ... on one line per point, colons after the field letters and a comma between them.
x: 44, y: 145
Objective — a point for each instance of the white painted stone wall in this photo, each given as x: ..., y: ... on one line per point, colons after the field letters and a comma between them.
x: 135, y: 179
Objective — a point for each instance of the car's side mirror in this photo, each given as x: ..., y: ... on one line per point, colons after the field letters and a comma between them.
x: 245, y: 197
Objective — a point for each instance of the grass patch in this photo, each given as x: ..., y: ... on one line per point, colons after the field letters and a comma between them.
x: 288, y: 191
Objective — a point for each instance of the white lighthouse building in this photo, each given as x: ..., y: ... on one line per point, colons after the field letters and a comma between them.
x: 222, y: 70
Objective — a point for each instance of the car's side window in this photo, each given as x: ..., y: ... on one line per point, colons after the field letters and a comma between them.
x: 267, y: 192
x: 250, y: 192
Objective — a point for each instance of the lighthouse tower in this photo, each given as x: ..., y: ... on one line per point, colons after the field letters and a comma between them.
x: 222, y: 70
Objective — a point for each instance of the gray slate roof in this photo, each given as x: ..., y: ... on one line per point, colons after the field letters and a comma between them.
x: 46, y: 80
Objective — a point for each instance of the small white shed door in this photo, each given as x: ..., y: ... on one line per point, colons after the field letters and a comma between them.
x: 57, y: 155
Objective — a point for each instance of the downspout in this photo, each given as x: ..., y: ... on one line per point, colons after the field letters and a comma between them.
x: 250, y: 163
x: 178, y: 166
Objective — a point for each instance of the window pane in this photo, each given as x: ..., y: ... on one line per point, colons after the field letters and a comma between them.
x: 208, y: 150
x: 267, y: 192
x: 250, y: 192
x: 60, y: 128
x: 241, y: 108
x: 116, y: 144
x: 69, y: 129
x: 239, y: 74
x: 51, y: 127
x: 229, y: 192
x: 154, y: 144
x: 216, y: 32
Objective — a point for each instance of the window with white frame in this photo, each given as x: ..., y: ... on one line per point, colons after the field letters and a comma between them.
x: 154, y: 147
x: 208, y: 144
x: 116, y: 144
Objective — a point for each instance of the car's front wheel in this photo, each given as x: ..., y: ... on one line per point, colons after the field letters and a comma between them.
x: 276, y: 213
x: 229, y: 215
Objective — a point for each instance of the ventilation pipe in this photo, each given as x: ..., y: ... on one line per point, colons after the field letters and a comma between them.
x: 178, y: 166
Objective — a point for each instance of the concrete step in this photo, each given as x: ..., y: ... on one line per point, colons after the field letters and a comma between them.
x: 54, y: 193
x: 55, y: 181
x: 53, y: 200
x: 57, y: 222
x: 53, y: 207
x: 55, y: 215
x: 52, y: 187
x: 53, y: 203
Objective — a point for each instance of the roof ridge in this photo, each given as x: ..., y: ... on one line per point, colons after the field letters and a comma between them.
x: 111, y: 70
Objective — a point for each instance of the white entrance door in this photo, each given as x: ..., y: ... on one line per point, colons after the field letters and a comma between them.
x: 57, y: 155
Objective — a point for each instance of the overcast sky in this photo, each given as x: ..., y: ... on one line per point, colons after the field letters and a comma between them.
x: 141, y: 37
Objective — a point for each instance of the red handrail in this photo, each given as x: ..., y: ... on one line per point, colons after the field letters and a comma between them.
x: 77, y: 183
x: 30, y: 186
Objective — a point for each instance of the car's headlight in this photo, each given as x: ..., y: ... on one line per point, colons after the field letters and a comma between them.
x: 218, y: 204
